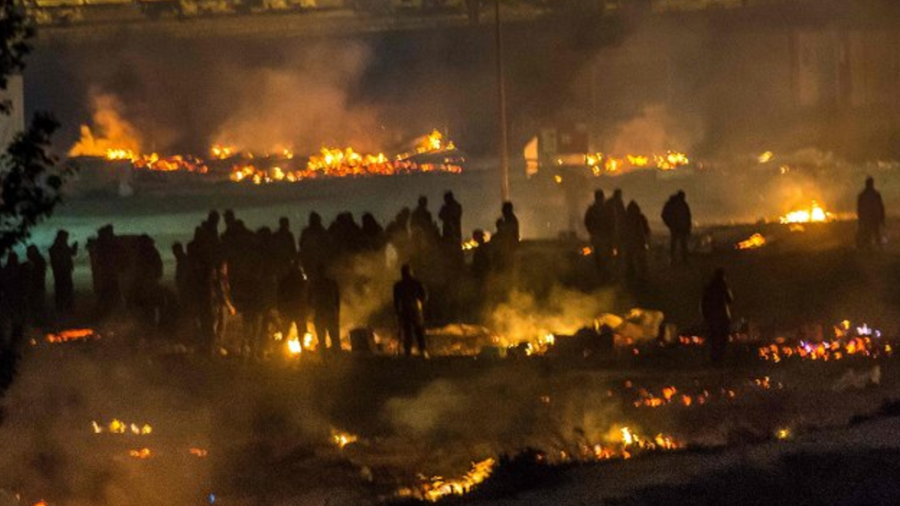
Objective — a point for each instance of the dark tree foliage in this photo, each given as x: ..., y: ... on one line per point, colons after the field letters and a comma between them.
x: 15, y: 31
x: 30, y: 181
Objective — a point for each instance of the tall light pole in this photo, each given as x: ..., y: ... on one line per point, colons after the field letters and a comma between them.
x: 501, y: 107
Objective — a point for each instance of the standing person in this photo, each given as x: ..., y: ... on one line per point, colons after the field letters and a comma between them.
x: 481, y: 258
x: 62, y: 264
x: 716, y: 308
x: 617, y: 213
x: 676, y: 214
x: 284, y: 247
x: 510, y: 225
x: 870, y: 216
x: 182, y: 274
x: 325, y: 299
x: 423, y: 231
x: 146, y: 293
x: 397, y: 234
x: 409, y: 298
x: 314, y: 243
x: 15, y: 302
x: 204, y: 310
x: 292, y: 300
x: 599, y: 224
x: 36, y: 284
x: 222, y: 303
x: 635, y: 241
x: 451, y: 219
x: 372, y: 233
x: 105, y: 263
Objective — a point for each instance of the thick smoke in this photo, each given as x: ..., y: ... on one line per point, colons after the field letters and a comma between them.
x: 655, y: 131
x: 110, y: 130
x: 301, y: 105
x: 524, y: 317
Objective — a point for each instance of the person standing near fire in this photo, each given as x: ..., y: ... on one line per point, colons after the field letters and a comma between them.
x: 716, y: 309
x: 409, y: 299
x: 635, y: 242
x: 676, y: 214
x: 870, y: 215
x: 325, y: 302
x: 598, y: 221
x: 451, y: 219
x: 62, y: 264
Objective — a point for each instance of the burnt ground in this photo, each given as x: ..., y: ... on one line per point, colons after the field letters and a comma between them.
x: 268, y: 427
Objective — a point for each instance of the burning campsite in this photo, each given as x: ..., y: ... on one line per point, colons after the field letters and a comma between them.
x: 452, y: 253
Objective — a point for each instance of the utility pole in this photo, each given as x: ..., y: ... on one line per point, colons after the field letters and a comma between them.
x: 501, y: 111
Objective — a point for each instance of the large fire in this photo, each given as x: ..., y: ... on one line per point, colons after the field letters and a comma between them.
x: 600, y: 163
x: 814, y: 213
x: 435, y: 488
x: 116, y: 139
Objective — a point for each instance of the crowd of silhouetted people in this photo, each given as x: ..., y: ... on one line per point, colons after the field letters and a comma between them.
x: 279, y: 282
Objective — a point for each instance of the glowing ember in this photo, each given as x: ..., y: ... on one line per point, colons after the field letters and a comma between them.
x: 117, y: 426
x: 754, y: 241
x: 143, y: 453
x: 849, y: 341
x: 691, y: 340
x: 342, y: 439
x: 198, y: 452
x: 67, y: 336
x: 813, y: 214
x: 766, y: 157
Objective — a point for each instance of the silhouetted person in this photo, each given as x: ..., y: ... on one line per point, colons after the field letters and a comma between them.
x: 203, y: 287
x: 229, y: 218
x: 105, y: 264
x: 676, y: 214
x: 617, y: 215
x: 373, y: 238
x: 397, y: 234
x: 182, y: 274
x: 423, y: 231
x: 635, y: 242
x: 716, y: 308
x: 35, y: 269
x: 314, y: 244
x: 599, y: 223
x: 62, y: 263
x: 510, y: 224
x: 145, y: 290
x: 481, y: 258
x: 871, y: 217
x: 292, y: 300
x: 223, y: 305
x: 15, y: 303
x: 505, y: 242
x: 325, y: 302
x: 409, y: 299
x: 345, y: 235
x: 284, y: 247
x: 451, y: 219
